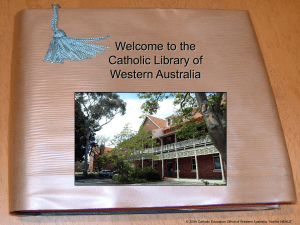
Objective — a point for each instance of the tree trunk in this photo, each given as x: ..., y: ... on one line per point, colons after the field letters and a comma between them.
x: 216, y: 125
x: 86, y: 158
x: 87, y: 145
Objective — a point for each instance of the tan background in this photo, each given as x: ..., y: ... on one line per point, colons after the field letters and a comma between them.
x: 276, y: 24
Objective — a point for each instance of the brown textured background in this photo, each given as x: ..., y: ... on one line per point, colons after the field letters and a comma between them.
x: 276, y: 27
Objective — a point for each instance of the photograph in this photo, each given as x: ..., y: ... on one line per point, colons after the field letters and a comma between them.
x: 150, y: 139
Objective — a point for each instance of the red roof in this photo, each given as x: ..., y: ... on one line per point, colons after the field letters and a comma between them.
x: 108, y: 149
x: 159, y: 122
x: 96, y: 151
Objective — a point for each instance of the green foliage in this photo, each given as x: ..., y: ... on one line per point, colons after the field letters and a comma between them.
x: 213, y: 121
x: 151, y: 105
x: 80, y: 139
x: 129, y: 147
x: 148, y: 173
x: 119, y: 162
x: 102, y: 161
x: 137, y: 180
x: 216, y: 100
x: 95, y: 107
x: 142, y: 175
x: 183, y: 122
x: 82, y: 166
x: 99, y: 106
x: 91, y: 108
x: 188, y: 127
x: 130, y: 144
x: 205, y: 182
x: 120, y: 178
x: 125, y: 134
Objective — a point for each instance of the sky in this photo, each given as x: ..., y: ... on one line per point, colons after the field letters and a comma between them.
x: 133, y: 112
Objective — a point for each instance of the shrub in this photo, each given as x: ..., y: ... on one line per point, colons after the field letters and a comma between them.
x: 148, y: 173
x: 139, y: 173
x: 205, y: 182
x: 120, y: 178
x: 138, y: 176
x: 137, y: 180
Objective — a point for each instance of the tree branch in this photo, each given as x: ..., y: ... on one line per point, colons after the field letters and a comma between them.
x: 183, y: 100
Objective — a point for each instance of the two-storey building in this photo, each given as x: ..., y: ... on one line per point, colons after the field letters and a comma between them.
x: 175, y: 157
x: 179, y: 158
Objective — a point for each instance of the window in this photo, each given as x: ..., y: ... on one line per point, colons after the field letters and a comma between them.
x: 193, y: 164
x: 169, y: 121
x: 217, y: 163
x: 148, y: 163
x: 155, y: 165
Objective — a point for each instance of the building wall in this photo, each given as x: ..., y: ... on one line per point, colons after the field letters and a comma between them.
x: 185, y: 168
x: 147, y: 161
x: 91, y: 163
x: 205, y: 167
x: 93, y: 156
x: 159, y: 167
x: 93, y: 166
x: 148, y: 123
x: 205, y: 162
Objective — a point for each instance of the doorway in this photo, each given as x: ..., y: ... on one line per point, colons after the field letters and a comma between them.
x: 169, y: 169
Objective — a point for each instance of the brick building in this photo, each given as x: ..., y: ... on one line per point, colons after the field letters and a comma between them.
x: 93, y: 166
x: 179, y: 158
x: 194, y: 158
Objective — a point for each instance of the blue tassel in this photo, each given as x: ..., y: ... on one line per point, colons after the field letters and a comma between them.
x: 63, y: 47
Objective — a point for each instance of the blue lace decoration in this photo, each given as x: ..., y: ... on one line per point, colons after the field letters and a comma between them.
x: 73, y: 49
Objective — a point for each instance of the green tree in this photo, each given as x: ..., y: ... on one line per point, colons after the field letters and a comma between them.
x: 130, y: 145
x: 143, y: 139
x: 80, y: 139
x: 98, y: 109
x: 102, y: 161
x: 211, y: 105
x: 119, y: 162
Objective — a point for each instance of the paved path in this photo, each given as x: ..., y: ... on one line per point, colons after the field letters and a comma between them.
x: 165, y: 182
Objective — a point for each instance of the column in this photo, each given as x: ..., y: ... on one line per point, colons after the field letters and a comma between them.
x: 196, y: 161
x: 152, y: 157
x: 162, y: 158
x: 143, y: 154
x: 221, y: 162
x: 176, y: 157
